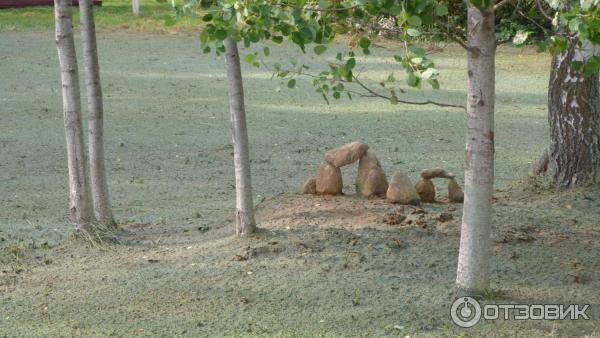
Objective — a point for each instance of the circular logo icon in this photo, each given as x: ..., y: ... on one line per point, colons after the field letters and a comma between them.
x: 465, y: 312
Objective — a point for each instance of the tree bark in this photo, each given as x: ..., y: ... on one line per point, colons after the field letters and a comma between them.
x: 475, y: 251
x: 574, y: 117
x: 99, y: 183
x: 244, y: 215
x: 135, y: 7
x: 81, y: 211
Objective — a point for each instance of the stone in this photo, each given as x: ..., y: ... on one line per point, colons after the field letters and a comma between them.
x: 455, y: 194
x: 402, y: 191
x: 436, y: 173
x: 346, y: 154
x: 310, y: 186
x: 329, y: 180
x: 426, y: 190
x: 370, y: 179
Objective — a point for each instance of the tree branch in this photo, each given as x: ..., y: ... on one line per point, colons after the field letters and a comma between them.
x: 373, y: 93
x: 313, y: 9
x: 451, y: 33
x: 499, y: 4
x: 541, y: 9
x: 532, y: 21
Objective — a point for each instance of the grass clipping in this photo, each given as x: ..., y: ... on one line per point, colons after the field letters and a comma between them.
x: 99, y: 235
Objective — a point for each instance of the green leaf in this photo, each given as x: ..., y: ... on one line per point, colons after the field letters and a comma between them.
x: 434, y: 83
x: 249, y: 58
x: 204, y: 36
x: 416, y: 60
x: 324, y: 4
x: 351, y: 63
x: 207, y: 17
x: 441, y: 9
x: 520, y: 37
x: 414, y: 21
x: 412, y: 80
x: 413, y: 32
x: 267, y: 51
x: 221, y: 34
x: 592, y: 66
x: 291, y: 83
x: 574, y: 25
x: 320, y: 49
x: 418, y: 51
x: 430, y: 73
x: 364, y: 43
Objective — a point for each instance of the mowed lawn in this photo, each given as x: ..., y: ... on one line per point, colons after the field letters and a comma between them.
x: 170, y: 167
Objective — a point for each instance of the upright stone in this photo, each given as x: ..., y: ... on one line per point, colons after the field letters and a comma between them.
x: 310, y: 186
x: 455, y: 194
x: 329, y: 180
x: 370, y: 179
x: 426, y: 190
x: 402, y: 191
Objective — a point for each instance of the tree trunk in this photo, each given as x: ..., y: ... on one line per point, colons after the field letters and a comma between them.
x: 475, y: 249
x: 574, y: 117
x: 244, y: 214
x: 95, y: 114
x: 81, y: 205
x: 135, y: 7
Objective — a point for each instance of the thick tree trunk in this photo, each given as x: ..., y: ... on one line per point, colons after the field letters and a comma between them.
x: 574, y: 117
x: 244, y: 214
x: 475, y: 250
x: 81, y: 205
x: 95, y: 114
x: 135, y: 7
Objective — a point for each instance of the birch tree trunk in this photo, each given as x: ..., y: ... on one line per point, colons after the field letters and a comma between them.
x: 574, y: 117
x: 99, y: 183
x: 135, y: 7
x: 81, y: 211
x: 244, y: 214
x: 475, y: 250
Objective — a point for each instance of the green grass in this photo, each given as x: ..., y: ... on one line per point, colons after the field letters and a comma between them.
x: 113, y: 14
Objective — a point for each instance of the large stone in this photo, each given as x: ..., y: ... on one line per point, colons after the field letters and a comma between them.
x: 310, y: 186
x: 455, y: 194
x: 402, y: 191
x: 329, y: 180
x: 346, y: 154
x: 370, y: 179
x: 426, y: 190
x: 436, y: 173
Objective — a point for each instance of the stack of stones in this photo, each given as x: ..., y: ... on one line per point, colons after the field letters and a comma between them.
x: 371, y: 179
x: 426, y: 189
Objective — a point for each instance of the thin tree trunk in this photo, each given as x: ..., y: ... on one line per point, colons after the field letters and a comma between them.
x: 81, y: 205
x: 244, y: 214
x: 95, y: 114
x: 475, y: 251
x: 135, y: 7
x: 574, y: 117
